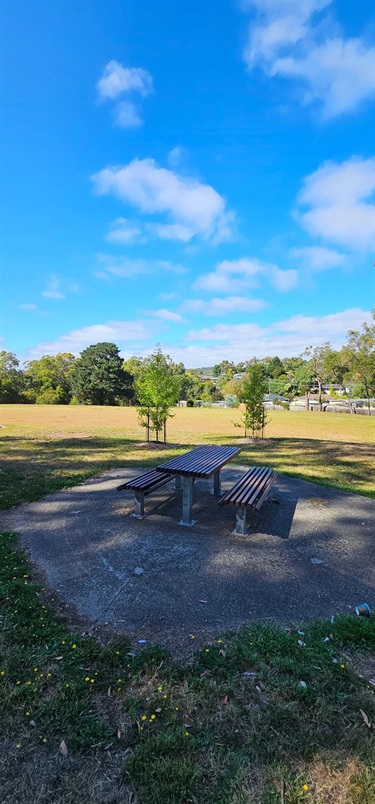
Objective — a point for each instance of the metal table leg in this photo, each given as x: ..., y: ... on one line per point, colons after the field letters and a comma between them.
x: 217, y: 484
x: 187, y: 502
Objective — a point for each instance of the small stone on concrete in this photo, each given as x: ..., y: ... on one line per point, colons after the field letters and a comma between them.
x: 138, y: 571
x: 316, y: 560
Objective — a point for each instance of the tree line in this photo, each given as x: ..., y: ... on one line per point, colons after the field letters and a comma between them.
x: 99, y: 376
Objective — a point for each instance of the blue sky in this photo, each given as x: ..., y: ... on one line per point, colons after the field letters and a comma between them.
x: 197, y: 175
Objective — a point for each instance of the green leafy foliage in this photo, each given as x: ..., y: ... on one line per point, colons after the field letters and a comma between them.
x: 11, y: 378
x: 253, y: 391
x: 98, y: 377
x: 158, y: 388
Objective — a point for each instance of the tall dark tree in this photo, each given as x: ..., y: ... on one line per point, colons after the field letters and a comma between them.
x: 98, y: 377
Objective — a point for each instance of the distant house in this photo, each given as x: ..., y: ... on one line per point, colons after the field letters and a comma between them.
x: 272, y: 397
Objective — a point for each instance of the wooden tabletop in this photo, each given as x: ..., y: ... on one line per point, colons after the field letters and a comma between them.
x: 202, y: 461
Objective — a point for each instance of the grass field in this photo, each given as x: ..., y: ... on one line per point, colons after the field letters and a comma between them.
x: 45, y: 448
x: 252, y: 718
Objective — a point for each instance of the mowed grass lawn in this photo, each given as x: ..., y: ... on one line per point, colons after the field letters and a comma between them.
x: 45, y: 448
x: 261, y: 716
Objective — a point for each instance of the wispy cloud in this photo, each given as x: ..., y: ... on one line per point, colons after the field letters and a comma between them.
x: 117, y: 80
x: 223, y: 306
x: 284, y: 338
x: 233, y: 276
x: 53, y: 289
x: 168, y: 315
x: 123, y: 267
x: 31, y: 307
x: 335, y: 198
x: 299, y: 41
x: 318, y: 258
x: 125, y: 231
x: 119, y: 332
x: 192, y: 209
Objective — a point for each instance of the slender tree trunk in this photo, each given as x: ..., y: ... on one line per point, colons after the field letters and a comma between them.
x: 165, y: 431
x: 320, y: 395
x: 308, y: 400
x: 148, y: 424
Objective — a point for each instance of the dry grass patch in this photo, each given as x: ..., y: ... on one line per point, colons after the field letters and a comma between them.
x: 46, y: 448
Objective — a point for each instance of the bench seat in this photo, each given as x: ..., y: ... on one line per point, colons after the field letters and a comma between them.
x: 251, y: 490
x: 142, y: 485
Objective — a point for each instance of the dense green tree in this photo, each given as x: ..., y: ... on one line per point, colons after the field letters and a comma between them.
x: 304, y: 382
x: 11, y: 378
x: 98, y: 377
x: 273, y: 366
x: 158, y: 389
x: 225, y: 367
x: 48, y: 379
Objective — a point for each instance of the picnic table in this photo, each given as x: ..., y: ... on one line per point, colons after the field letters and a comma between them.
x: 201, y: 462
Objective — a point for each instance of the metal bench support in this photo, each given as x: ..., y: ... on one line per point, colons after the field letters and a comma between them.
x: 241, y: 525
x: 187, y: 502
x: 139, y: 505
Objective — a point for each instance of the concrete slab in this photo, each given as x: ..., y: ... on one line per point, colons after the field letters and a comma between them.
x: 311, y: 553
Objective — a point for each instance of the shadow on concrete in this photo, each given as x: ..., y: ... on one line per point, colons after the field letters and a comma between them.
x: 310, y: 554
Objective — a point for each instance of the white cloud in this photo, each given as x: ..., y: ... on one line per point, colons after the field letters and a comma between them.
x: 336, y: 194
x: 232, y: 276
x: 209, y: 345
x: 285, y: 338
x: 192, y: 208
x: 27, y: 307
x: 226, y: 306
x: 126, y: 115
x: 284, y: 281
x: 168, y: 315
x: 118, y: 332
x: 167, y: 296
x: 176, y: 156
x: 124, y: 231
x: 115, y: 266
x: 116, y: 79
x: 318, y: 258
x: 53, y: 291
x: 290, y: 38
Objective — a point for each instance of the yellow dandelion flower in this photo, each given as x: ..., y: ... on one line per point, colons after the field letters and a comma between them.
x: 305, y: 787
x: 143, y: 717
x: 153, y: 717
x: 73, y: 647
